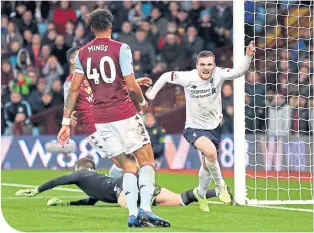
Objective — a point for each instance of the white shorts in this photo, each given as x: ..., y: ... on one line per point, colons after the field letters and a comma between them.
x: 114, y: 138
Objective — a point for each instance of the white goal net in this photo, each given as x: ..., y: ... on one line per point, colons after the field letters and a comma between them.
x: 279, y: 103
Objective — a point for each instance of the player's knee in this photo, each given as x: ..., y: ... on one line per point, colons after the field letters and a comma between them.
x: 211, y: 156
x: 131, y: 170
x: 152, y: 164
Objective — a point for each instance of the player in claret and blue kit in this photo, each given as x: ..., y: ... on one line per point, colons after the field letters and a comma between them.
x: 120, y: 131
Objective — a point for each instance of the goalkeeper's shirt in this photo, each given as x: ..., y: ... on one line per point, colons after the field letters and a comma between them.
x: 203, y: 97
x: 98, y: 186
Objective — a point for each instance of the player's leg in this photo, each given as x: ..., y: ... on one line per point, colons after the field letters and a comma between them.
x: 129, y: 184
x: 169, y: 198
x: 207, y: 147
x: 145, y: 158
x: 116, y: 171
x: 204, y: 179
x: 107, y: 143
x: 139, y: 142
x: 146, y: 162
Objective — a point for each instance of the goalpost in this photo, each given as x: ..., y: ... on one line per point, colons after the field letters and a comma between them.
x: 274, y: 108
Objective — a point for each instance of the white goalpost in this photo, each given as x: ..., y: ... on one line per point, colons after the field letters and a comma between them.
x: 274, y: 105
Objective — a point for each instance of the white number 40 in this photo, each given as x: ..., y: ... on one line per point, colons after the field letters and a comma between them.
x: 95, y: 75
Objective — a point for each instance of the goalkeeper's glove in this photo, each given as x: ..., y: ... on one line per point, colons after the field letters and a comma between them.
x: 27, y: 192
x: 57, y: 202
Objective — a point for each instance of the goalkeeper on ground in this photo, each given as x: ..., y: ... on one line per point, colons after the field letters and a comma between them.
x: 100, y: 187
x: 202, y: 87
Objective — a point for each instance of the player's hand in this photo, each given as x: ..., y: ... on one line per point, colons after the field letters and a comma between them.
x: 64, y: 135
x: 73, y: 119
x: 144, y: 81
x: 250, y: 50
x: 56, y: 202
x: 144, y: 108
x: 27, y: 192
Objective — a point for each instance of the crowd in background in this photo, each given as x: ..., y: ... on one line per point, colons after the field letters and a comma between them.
x: 163, y: 36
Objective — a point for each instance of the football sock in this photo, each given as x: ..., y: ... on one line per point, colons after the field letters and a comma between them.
x: 204, y: 178
x: 129, y: 185
x: 214, y: 168
x: 146, y: 186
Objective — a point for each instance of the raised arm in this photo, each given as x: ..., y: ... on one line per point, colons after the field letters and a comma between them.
x: 230, y: 74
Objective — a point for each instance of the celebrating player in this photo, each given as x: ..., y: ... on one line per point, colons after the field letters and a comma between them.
x: 202, y: 87
x: 83, y: 107
x: 108, y: 66
x: 100, y: 187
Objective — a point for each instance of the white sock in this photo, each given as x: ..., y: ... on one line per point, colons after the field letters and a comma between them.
x: 115, y: 171
x: 214, y: 168
x: 204, y: 178
x: 146, y: 185
x: 130, y: 189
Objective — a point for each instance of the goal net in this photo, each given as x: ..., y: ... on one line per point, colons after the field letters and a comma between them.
x: 278, y: 150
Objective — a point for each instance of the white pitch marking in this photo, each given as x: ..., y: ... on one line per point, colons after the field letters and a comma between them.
x: 35, y: 186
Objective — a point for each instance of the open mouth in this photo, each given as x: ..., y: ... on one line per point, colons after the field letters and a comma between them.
x: 206, y: 72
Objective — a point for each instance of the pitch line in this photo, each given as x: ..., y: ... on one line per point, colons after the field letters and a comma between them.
x: 34, y: 186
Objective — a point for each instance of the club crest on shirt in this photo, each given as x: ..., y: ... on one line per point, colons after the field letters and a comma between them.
x: 174, y: 76
x: 88, y: 90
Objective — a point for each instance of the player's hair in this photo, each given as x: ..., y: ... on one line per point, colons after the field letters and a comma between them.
x: 100, y: 19
x: 86, y: 163
x: 205, y: 54
x: 70, y: 53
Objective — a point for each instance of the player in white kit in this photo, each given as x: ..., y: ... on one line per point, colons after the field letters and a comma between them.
x: 202, y: 87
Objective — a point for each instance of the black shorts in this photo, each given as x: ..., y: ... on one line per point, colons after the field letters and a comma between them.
x: 191, y: 135
x: 112, y: 190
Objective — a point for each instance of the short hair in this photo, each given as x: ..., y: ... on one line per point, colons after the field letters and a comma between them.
x: 70, y: 53
x: 100, y: 19
x: 85, y: 164
x: 205, y: 54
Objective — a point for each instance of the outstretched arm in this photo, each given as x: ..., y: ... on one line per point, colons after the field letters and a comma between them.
x: 239, y: 71
x: 62, y: 180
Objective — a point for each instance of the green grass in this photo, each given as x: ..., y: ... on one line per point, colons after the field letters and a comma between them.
x: 32, y: 214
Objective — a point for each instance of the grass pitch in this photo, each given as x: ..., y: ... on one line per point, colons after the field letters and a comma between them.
x: 32, y: 214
